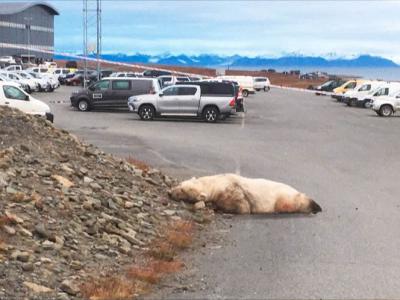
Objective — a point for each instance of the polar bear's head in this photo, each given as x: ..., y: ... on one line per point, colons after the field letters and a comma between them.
x: 188, y: 191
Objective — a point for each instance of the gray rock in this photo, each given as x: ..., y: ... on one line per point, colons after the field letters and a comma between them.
x: 41, y: 231
x: 21, y: 256
x: 69, y: 287
x: 44, y: 173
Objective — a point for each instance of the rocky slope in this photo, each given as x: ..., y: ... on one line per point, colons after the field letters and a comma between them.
x: 68, y: 210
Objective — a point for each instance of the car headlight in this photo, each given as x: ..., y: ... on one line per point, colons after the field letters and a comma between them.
x: 132, y: 99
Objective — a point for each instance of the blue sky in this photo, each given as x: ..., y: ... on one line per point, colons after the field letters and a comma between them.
x: 266, y: 28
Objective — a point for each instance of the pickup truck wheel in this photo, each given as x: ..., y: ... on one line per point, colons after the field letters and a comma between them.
x: 210, y: 114
x: 386, y: 110
x: 83, y: 105
x: 245, y: 93
x: 146, y: 112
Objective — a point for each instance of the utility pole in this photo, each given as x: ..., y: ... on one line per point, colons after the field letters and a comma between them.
x: 85, y: 40
x: 92, y: 23
x: 98, y: 47
x: 28, y: 28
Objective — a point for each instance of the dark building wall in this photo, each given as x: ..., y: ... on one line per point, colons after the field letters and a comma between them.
x: 41, y: 24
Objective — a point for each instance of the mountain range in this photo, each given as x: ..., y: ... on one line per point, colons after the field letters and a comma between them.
x: 212, y: 60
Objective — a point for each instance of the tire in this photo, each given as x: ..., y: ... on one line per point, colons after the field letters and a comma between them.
x: 386, y: 110
x: 245, y: 93
x: 257, y: 90
x: 366, y: 104
x: 266, y: 88
x: 353, y: 102
x: 146, y: 112
x: 210, y: 114
x: 83, y: 105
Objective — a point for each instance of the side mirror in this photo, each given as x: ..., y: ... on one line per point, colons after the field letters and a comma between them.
x: 26, y: 98
x: 161, y: 94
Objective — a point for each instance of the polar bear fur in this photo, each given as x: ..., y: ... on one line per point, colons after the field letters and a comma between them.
x: 236, y: 194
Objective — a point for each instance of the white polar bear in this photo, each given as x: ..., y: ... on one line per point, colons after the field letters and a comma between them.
x: 236, y: 194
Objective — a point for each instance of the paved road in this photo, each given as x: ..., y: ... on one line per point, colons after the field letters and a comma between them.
x: 347, y: 159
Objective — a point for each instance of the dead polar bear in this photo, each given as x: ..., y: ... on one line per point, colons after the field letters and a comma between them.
x: 236, y: 194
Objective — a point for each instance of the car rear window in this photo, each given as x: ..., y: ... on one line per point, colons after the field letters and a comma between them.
x: 260, y: 79
x: 187, y: 91
x: 218, y: 90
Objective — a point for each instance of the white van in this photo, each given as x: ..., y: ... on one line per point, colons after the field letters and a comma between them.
x: 12, y: 96
x: 389, y: 89
x: 245, y: 82
x: 351, y: 97
x: 262, y: 83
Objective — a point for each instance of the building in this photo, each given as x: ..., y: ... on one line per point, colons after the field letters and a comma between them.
x: 25, y: 25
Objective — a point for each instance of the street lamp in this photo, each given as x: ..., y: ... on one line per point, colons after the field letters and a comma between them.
x: 28, y: 27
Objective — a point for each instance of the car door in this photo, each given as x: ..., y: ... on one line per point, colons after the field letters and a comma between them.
x: 100, y: 93
x: 15, y: 98
x: 189, y: 99
x: 397, y: 101
x: 168, y: 102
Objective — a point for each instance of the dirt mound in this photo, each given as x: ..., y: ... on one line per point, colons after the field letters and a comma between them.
x: 68, y: 210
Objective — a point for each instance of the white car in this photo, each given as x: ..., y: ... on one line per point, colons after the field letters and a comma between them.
x: 12, y: 96
x: 245, y: 82
x: 167, y: 80
x: 12, y: 68
x: 262, y: 83
x: 123, y: 74
x: 33, y: 86
x: 44, y: 73
x: 386, y: 106
x: 351, y: 97
x: 7, y: 59
x: 44, y: 83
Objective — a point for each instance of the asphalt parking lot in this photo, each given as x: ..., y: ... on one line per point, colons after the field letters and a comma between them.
x: 347, y: 159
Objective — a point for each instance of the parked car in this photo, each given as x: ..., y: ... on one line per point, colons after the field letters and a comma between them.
x: 329, y: 86
x: 389, y: 89
x: 12, y: 96
x: 350, y: 97
x: 77, y: 78
x: 386, y: 106
x: 262, y: 83
x: 43, y: 83
x: 32, y: 85
x: 51, y: 82
x: 12, y: 68
x: 245, y: 82
x: 123, y: 74
x: 210, y: 100
x: 113, y: 93
x: 167, y: 80
x: 7, y: 59
x: 20, y: 85
x: 60, y: 72
x: 348, y: 85
x: 155, y: 73
x: 239, y: 100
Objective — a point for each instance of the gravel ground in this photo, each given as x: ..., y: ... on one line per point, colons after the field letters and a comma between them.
x: 345, y: 158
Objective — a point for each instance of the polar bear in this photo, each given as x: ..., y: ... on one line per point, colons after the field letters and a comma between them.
x: 232, y: 193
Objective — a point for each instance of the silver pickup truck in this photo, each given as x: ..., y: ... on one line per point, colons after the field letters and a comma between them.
x: 210, y: 100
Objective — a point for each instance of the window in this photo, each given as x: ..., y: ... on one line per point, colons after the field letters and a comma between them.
x: 350, y: 85
x: 365, y: 87
x: 43, y: 70
x: 382, y: 92
x: 166, y: 79
x: 141, y: 86
x: 183, y: 79
x: 172, y: 91
x: 101, y: 85
x: 12, y: 92
x: 187, y: 91
x: 261, y: 79
x: 218, y: 89
x: 121, y: 85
